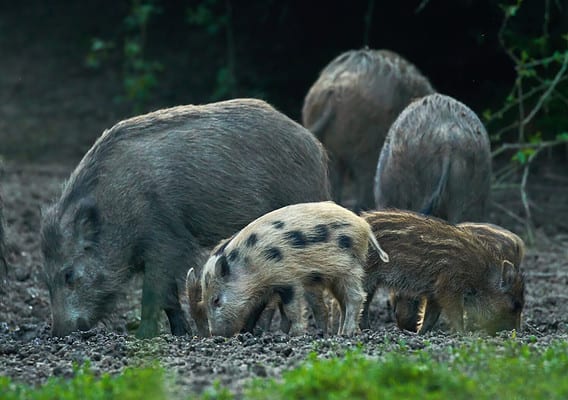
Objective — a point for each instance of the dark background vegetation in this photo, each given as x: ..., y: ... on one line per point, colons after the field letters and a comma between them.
x: 70, y: 69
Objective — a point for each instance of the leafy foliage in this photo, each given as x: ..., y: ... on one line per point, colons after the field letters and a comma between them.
x: 536, y: 106
x: 214, y: 16
x: 139, y: 74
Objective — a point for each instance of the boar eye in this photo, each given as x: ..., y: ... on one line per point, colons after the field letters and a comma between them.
x: 216, y: 301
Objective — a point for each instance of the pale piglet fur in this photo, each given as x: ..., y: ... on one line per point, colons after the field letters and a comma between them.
x: 298, y: 248
x: 350, y: 108
x: 436, y: 160
x: 412, y: 312
x: 451, y: 267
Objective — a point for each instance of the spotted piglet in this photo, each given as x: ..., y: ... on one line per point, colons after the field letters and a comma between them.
x: 302, y: 248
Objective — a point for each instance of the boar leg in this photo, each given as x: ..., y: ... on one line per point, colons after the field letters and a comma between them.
x: 364, y: 180
x: 316, y: 301
x: 285, y: 323
x: 159, y: 292
x: 265, y: 320
x: 406, y: 310
x: 292, y: 298
x: 350, y: 296
x: 453, y: 307
x: 431, y: 314
x: 336, y: 175
x: 178, y: 324
x: 365, y: 319
x: 150, y: 309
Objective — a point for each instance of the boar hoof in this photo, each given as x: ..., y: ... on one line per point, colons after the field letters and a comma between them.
x: 147, y: 330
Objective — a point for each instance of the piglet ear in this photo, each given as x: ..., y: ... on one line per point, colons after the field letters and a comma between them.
x: 87, y: 221
x: 222, y: 267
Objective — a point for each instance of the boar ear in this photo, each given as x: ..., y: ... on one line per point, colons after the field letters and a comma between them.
x: 508, y: 272
x: 87, y: 221
x: 192, y: 283
x: 191, y: 277
x: 222, y: 267
x: 192, y: 287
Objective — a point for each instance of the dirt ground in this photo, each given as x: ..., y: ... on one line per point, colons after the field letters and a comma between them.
x: 28, y: 353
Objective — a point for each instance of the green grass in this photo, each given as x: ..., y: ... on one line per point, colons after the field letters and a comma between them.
x: 132, y: 384
x: 478, y: 370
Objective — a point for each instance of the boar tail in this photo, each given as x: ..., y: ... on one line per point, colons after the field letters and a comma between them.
x: 434, y: 201
x: 320, y: 126
x: 382, y: 254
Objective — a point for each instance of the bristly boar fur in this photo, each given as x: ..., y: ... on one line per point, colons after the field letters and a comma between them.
x: 350, y: 108
x: 504, y: 244
x: 156, y: 189
x: 300, y: 247
x: 449, y: 266
x: 436, y: 160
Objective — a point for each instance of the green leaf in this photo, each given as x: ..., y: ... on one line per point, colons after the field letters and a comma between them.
x: 562, y: 136
x: 536, y: 138
x: 520, y: 157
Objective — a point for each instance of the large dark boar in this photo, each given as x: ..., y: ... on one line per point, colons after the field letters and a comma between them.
x: 451, y: 267
x: 155, y: 189
x: 350, y: 109
x: 283, y: 254
x: 504, y: 244
x: 436, y: 160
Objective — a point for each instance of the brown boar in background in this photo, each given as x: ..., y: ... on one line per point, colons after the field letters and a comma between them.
x: 350, y: 109
x: 451, y: 267
x: 436, y: 160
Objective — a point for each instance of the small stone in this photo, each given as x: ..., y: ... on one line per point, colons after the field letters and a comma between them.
x: 259, y: 370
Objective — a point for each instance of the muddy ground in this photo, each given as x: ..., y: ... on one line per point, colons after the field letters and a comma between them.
x: 28, y: 353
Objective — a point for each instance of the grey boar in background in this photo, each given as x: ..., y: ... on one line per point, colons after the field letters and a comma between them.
x: 452, y: 268
x: 350, y: 108
x: 504, y: 244
x: 154, y: 190
x: 283, y: 254
x: 436, y: 160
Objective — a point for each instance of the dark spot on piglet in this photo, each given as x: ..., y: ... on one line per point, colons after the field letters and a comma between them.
x: 337, y: 225
x: 297, y: 239
x: 320, y: 234
x: 273, y: 254
x: 278, y: 224
x: 344, y: 241
x: 221, y: 249
x: 286, y: 293
x: 314, y: 278
x: 251, y: 240
x: 233, y: 255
